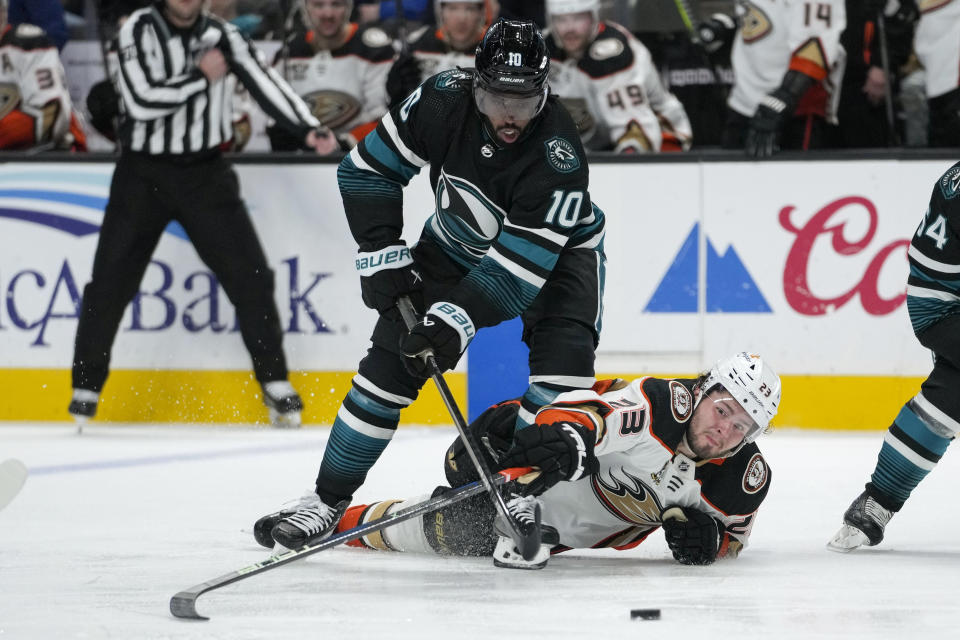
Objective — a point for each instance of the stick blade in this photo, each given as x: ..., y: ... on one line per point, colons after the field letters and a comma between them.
x: 184, y: 605
x: 13, y: 474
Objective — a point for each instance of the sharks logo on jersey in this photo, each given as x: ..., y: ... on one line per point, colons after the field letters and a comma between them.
x: 628, y: 498
x: 950, y: 184
x: 466, y: 216
x: 452, y: 80
x: 561, y: 155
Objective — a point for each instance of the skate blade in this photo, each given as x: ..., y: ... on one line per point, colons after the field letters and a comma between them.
x: 847, y: 539
x: 506, y: 556
x: 81, y: 421
x: 290, y: 420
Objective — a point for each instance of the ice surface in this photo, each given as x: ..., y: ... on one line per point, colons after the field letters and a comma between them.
x: 112, y: 523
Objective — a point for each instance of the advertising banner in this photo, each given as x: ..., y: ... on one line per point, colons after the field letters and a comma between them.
x: 803, y: 262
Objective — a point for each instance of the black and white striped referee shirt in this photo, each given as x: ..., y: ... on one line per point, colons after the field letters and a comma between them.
x: 170, y: 107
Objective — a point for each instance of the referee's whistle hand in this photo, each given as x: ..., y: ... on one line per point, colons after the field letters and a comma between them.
x: 213, y: 65
x: 322, y: 141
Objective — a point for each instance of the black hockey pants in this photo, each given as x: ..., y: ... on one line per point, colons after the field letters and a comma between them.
x: 203, y: 195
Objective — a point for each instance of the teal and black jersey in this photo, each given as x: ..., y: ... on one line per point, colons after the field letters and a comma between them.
x: 933, y: 288
x: 505, y: 214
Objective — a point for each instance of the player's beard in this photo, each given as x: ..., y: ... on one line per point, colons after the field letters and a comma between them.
x: 183, y: 17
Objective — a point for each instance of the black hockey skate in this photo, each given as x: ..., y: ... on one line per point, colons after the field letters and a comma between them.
x: 863, y: 524
x: 311, y: 521
x: 83, y: 404
x: 283, y: 402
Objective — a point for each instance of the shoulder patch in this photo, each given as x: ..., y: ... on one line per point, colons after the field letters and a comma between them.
x: 754, y: 23
x: 755, y: 476
x: 375, y: 38
x: 605, y: 48
x: 950, y: 183
x: 561, y: 155
x: 681, y: 401
x: 451, y: 80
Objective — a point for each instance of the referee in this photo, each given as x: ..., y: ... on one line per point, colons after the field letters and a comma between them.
x: 175, y: 103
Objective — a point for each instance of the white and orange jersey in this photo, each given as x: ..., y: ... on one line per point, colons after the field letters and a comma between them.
x: 34, y: 101
x: 346, y: 88
x: 937, y: 43
x: 638, y: 428
x: 615, y: 95
x: 435, y: 54
x: 776, y: 36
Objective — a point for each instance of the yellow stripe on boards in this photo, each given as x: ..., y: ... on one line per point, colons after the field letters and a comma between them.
x: 224, y: 397
x: 219, y: 397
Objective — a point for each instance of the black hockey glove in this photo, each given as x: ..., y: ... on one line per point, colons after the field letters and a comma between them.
x: 404, y: 76
x: 716, y: 31
x: 386, y: 274
x: 445, y: 331
x: 763, y: 136
x: 692, y: 535
x: 561, y: 450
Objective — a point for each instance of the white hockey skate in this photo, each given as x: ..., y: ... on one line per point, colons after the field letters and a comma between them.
x: 525, y: 511
x: 284, y: 404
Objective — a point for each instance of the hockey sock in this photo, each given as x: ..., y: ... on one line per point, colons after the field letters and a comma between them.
x: 912, y: 446
x: 543, y: 391
x: 364, y: 426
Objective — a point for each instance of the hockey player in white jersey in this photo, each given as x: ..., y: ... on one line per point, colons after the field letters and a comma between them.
x: 606, y: 79
x: 449, y: 44
x: 35, y: 109
x: 339, y: 68
x: 937, y: 43
x: 612, y: 465
x: 787, y: 63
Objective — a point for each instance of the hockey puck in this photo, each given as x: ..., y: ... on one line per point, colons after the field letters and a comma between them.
x: 645, y: 614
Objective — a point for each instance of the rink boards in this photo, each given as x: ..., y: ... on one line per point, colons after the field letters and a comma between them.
x: 803, y: 262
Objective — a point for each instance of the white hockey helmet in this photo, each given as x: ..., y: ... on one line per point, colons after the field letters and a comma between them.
x: 563, y: 7
x: 753, y: 384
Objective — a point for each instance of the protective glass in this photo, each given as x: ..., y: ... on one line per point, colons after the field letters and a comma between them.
x: 501, y: 106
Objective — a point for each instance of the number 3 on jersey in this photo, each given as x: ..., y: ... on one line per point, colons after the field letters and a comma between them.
x: 565, y: 208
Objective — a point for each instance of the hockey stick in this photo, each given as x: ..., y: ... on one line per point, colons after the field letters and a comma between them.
x: 888, y: 94
x: 13, y: 474
x: 527, y: 546
x: 184, y: 603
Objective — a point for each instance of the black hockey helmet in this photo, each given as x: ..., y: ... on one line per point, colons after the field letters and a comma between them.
x: 511, y: 70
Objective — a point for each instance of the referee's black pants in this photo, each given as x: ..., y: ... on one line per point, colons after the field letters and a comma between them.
x: 203, y: 195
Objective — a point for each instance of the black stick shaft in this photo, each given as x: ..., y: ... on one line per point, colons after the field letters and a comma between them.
x: 470, y: 444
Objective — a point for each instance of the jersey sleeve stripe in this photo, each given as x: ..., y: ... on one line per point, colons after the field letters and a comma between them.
x: 936, y: 294
x: 354, y: 181
x: 391, y: 128
x: 941, y: 267
x: 522, y: 251
x: 510, y: 294
x: 516, y: 269
x: 548, y: 235
x: 378, y: 154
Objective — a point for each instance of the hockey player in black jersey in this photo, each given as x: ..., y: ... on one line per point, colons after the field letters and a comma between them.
x: 514, y: 233
x: 615, y: 464
x: 930, y: 420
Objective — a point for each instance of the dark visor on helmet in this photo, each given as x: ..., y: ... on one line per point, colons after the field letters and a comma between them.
x: 503, y: 106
